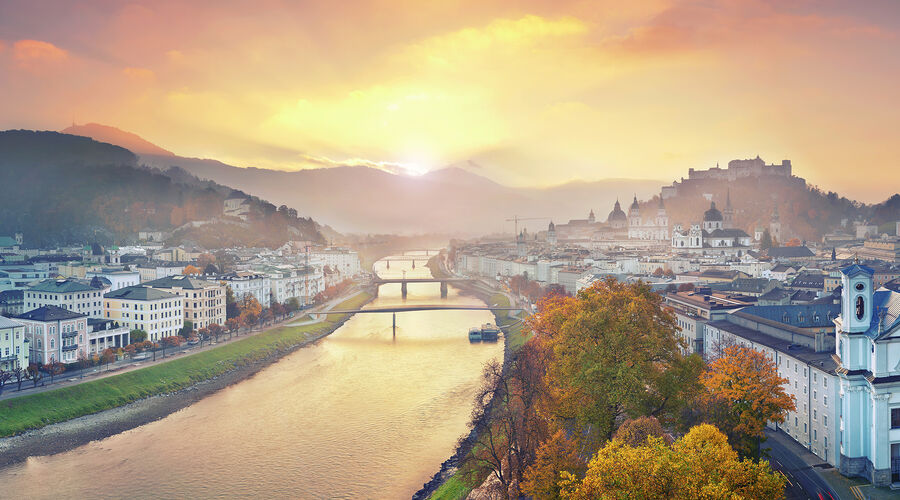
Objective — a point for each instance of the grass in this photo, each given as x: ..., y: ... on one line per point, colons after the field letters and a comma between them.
x: 38, y: 410
x: 452, y: 489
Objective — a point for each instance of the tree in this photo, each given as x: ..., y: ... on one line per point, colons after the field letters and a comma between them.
x: 138, y: 336
x: 5, y: 377
x: 613, y: 352
x: 205, y: 260
x: 190, y: 270
x: 636, y: 431
x: 265, y: 316
x: 699, y: 465
x: 686, y: 287
x: 249, y: 304
x: 231, y: 306
x: 556, y: 455
x: 509, y: 428
x: 216, y: 329
x: 83, y: 361
x: 292, y: 304
x: 659, y: 272
x: 107, y: 356
x: 54, y: 368
x: 34, y: 373
x: 744, y: 391
x: 186, y: 329
x: 130, y: 350
x: 765, y: 242
x: 278, y: 310
x: 20, y: 374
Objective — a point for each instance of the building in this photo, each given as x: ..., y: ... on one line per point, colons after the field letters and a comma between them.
x: 55, y: 334
x: 694, y: 310
x: 155, y: 270
x: 118, y: 278
x: 301, y: 283
x: 76, y: 295
x: 204, y: 301
x: 790, y: 254
x: 245, y: 283
x: 868, y: 358
x: 739, y: 169
x: 712, y: 236
x: 157, y: 312
x: 886, y: 249
x: 655, y: 227
x: 21, y: 276
x: 12, y: 302
x: 342, y: 260
x: 13, y: 345
x: 106, y: 334
x: 238, y: 206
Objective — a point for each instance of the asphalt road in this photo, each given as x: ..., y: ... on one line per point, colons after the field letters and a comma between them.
x: 803, y: 481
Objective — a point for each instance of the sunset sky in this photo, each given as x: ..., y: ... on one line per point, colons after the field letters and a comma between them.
x: 537, y: 93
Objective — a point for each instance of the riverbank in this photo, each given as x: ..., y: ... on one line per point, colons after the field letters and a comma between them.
x: 65, y: 418
x: 446, y: 484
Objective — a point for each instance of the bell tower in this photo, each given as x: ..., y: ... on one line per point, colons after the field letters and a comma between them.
x: 856, y: 298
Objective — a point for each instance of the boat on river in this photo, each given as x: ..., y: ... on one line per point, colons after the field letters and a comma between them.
x: 487, y: 332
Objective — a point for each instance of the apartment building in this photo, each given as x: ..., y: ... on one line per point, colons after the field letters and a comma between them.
x: 157, y: 312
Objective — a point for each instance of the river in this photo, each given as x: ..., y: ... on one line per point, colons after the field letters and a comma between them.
x: 360, y: 414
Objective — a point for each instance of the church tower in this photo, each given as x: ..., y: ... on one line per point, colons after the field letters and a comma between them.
x: 634, y: 213
x: 775, y: 227
x: 551, y: 233
x: 662, y: 221
x: 856, y: 298
x: 728, y: 213
x: 591, y: 217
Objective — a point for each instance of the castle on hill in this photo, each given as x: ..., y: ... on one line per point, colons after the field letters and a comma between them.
x: 736, y: 170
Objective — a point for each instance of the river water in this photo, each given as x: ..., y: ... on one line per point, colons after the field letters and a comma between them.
x: 358, y: 415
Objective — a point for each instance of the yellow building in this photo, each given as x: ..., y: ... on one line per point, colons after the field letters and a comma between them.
x: 157, y: 312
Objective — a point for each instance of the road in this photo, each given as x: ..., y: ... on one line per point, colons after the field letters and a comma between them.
x: 803, y: 481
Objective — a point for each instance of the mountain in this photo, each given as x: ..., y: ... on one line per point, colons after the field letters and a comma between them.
x: 61, y: 189
x: 112, y: 135
x: 451, y: 200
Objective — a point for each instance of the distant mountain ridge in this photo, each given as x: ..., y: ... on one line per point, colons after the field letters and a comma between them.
x: 104, y: 133
x: 62, y: 189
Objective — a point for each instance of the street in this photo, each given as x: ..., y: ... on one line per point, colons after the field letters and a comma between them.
x: 803, y: 480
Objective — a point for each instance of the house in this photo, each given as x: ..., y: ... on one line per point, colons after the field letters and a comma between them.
x: 157, y: 312
x: 76, y: 295
x: 13, y: 345
x: 117, y: 278
x: 245, y: 283
x: 781, y: 272
x: 790, y: 254
x: 106, y: 334
x: 55, y: 334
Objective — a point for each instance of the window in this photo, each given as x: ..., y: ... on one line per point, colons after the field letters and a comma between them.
x: 895, y: 418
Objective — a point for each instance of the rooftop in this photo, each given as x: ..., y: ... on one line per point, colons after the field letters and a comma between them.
x: 65, y: 285
x: 50, y: 313
x: 139, y: 292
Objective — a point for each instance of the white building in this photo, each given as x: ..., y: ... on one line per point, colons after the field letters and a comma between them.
x: 344, y: 261
x: 713, y: 237
x: 204, y: 301
x: 651, y: 228
x: 157, y: 270
x: 301, y: 283
x: 76, y: 295
x: 106, y: 334
x: 245, y: 283
x: 117, y: 278
x: 55, y: 334
x: 868, y: 354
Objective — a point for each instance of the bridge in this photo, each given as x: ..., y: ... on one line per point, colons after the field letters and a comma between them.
x: 404, y: 281
x: 426, y: 307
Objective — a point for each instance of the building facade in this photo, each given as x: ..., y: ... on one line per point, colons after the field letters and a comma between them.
x: 76, y: 295
x: 157, y: 312
x: 204, y: 301
x: 244, y: 283
x: 55, y: 334
x: 14, y: 351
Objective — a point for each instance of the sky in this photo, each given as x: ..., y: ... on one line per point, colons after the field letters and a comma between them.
x: 535, y: 93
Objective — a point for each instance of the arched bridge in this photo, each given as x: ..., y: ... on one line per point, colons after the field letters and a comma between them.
x: 404, y: 308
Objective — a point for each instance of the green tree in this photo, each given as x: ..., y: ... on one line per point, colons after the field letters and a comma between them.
x: 765, y: 242
x: 138, y: 336
x: 186, y: 329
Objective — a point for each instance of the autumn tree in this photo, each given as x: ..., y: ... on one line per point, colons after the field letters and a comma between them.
x: 215, y: 329
x: 34, y: 373
x: 5, y: 377
x: 765, y: 242
x: 107, y: 356
x: 793, y: 242
x: 190, y: 270
x: 509, y: 429
x: 54, y: 368
x: 743, y: 392
x: 699, y: 465
x: 613, y: 352
x: 636, y: 431
x: 556, y: 455
x: 232, y: 325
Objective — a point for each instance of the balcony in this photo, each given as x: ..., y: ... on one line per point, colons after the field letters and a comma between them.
x: 71, y: 347
x: 69, y: 335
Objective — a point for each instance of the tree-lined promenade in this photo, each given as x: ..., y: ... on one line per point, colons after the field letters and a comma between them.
x: 592, y: 406
x: 58, y: 405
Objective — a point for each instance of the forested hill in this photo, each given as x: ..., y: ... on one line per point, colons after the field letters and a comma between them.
x: 65, y: 189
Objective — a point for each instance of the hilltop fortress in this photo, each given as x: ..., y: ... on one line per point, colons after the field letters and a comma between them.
x: 737, y: 169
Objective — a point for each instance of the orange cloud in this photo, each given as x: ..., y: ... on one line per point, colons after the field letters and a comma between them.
x: 29, y: 51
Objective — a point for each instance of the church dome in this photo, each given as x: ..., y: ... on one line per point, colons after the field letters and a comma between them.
x: 617, y: 214
x: 713, y: 213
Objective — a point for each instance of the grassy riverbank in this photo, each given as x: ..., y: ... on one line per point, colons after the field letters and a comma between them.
x: 38, y: 410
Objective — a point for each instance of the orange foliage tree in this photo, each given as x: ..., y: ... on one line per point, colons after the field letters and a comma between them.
x: 743, y: 392
x: 190, y: 269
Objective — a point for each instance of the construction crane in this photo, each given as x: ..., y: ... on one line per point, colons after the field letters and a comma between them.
x: 516, y: 219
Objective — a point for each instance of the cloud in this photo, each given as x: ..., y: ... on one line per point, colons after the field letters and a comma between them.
x: 386, y: 166
x: 27, y: 52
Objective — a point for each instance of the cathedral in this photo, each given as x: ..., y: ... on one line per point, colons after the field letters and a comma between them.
x: 716, y: 234
x: 655, y: 227
x: 618, y: 225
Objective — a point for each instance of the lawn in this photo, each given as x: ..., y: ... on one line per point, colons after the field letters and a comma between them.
x: 37, y: 410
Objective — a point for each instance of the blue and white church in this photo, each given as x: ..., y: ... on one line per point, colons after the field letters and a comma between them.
x: 868, y: 358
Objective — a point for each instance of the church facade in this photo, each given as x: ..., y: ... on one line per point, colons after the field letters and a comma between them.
x: 715, y: 235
